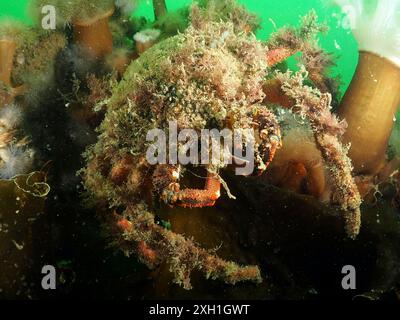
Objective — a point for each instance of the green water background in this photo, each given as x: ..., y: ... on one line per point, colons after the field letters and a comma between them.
x: 274, y: 13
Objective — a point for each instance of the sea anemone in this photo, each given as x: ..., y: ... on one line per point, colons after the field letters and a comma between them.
x: 90, y: 21
x: 13, y: 36
x: 372, y: 100
x: 146, y: 39
x: 10, y: 117
x: 299, y: 166
x: 15, y: 160
x: 35, y: 64
x: 15, y: 155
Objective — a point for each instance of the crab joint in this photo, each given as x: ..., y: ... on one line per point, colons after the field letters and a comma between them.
x: 124, y: 225
x: 197, y: 198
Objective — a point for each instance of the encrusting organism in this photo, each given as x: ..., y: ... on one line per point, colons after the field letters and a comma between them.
x: 300, y: 164
x: 210, y: 77
x: 174, y: 93
x: 371, y: 102
x: 288, y: 91
x: 168, y: 24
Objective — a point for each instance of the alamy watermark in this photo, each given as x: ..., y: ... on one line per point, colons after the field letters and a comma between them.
x: 49, y: 279
x: 209, y: 147
x: 49, y: 17
x: 349, y: 280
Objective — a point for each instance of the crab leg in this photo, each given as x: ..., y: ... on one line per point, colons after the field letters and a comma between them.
x: 165, y: 181
x: 155, y: 244
x: 199, y: 198
x: 278, y: 55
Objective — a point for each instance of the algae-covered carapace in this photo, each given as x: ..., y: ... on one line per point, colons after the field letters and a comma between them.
x: 235, y: 149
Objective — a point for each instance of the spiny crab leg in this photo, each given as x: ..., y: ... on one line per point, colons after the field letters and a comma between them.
x: 278, y: 55
x: 199, y: 198
x: 275, y: 143
x: 269, y: 139
x: 155, y: 244
x: 166, y: 183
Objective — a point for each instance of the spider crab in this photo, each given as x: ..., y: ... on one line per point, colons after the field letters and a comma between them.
x: 209, y: 77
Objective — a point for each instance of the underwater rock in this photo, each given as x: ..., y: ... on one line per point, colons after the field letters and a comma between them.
x: 311, y: 243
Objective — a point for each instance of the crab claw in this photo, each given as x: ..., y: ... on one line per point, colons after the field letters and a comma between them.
x: 199, y: 198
